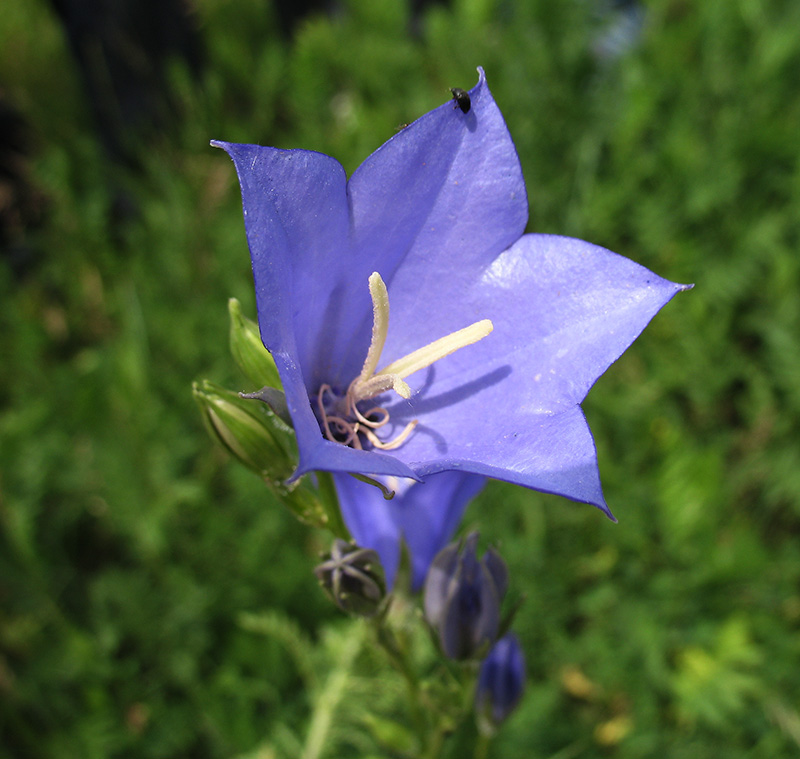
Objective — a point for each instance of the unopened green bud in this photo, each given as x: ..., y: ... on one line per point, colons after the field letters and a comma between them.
x: 249, y: 431
x: 248, y: 351
x: 353, y: 578
x: 256, y: 437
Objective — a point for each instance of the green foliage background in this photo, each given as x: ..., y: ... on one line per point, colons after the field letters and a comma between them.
x: 131, y: 548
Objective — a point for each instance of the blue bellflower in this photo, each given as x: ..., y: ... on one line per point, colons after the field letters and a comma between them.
x: 495, y: 336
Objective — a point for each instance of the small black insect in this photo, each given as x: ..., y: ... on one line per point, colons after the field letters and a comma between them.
x: 462, y: 99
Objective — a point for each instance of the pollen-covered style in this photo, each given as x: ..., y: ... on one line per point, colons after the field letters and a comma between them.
x: 493, y: 337
x: 342, y: 420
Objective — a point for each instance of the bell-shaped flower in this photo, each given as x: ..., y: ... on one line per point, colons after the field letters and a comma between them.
x: 501, y: 681
x: 495, y: 336
x: 463, y: 595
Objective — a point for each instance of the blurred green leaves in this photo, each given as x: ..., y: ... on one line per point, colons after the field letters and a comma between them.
x: 130, y: 546
x: 718, y: 686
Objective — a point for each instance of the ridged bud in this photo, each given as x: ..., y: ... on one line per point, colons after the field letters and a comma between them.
x: 257, y: 438
x: 501, y: 682
x: 353, y: 578
x: 248, y: 351
x: 248, y: 431
x: 463, y: 596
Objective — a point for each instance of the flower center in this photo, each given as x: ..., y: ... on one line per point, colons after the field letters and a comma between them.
x: 342, y: 420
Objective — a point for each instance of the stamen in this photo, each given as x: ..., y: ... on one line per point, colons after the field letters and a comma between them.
x: 368, y: 384
x: 440, y: 348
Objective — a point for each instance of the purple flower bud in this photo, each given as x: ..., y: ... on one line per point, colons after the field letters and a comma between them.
x: 501, y: 681
x: 463, y: 596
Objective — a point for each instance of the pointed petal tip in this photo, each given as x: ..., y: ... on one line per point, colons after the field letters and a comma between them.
x: 231, y: 148
x: 297, y: 474
x: 604, y: 508
x: 228, y: 147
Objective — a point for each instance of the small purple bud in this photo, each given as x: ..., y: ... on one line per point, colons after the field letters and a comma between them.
x: 501, y: 681
x: 463, y: 596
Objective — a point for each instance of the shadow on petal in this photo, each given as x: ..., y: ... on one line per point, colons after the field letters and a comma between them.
x: 423, y: 405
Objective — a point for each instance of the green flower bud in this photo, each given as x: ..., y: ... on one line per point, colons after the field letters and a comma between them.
x: 248, y: 351
x: 353, y: 578
x: 249, y: 431
x: 256, y: 437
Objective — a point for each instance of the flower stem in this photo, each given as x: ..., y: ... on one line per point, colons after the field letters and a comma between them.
x: 399, y: 661
x: 482, y: 746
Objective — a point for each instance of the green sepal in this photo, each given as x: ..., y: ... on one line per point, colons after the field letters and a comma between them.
x: 402, y: 579
x: 248, y: 351
x: 313, y: 506
x: 387, y: 493
x: 326, y: 492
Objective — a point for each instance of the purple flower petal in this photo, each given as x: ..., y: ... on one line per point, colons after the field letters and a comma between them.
x: 447, y: 185
x: 434, y: 206
x: 295, y: 234
x: 297, y: 224
x: 563, y: 311
x: 424, y: 514
x: 507, y: 407
x: 553, y: 453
